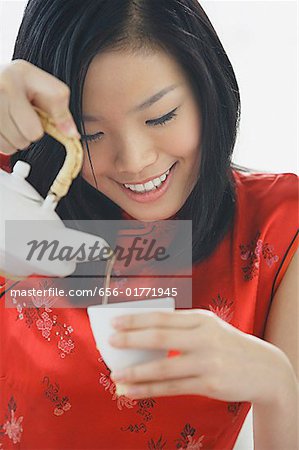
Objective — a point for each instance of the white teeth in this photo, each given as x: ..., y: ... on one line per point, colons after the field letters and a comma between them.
x: 139, y: 188
x: 149, y: 186
x: 157, y: 182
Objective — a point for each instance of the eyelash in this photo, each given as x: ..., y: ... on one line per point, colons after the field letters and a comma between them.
x: 161, y: 121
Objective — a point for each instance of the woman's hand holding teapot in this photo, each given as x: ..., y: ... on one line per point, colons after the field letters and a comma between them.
x: 23, y: 86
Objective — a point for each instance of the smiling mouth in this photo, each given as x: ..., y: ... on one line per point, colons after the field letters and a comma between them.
x: 154, y: 193
x: 150, y: 185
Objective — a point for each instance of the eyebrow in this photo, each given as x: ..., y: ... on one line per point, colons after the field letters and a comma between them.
x: 154, y: 98
x: 146, y: 104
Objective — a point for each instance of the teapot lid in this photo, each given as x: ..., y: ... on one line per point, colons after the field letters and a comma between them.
x: 16, y: 181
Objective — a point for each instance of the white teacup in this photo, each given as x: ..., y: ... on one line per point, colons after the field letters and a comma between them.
x: 100, y: 317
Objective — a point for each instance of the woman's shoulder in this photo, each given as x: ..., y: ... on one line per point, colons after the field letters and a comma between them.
x: 266, y: 191
x: 254, y: 180
x: 267, y: 218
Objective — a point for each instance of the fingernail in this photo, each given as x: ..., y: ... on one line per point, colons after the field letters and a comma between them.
x: 120, y: 389
x: 118, y: 376
x: 135, y: 391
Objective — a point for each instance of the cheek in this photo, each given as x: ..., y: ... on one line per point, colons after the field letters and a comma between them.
x: 185, y: 139
x: 86, y: 170
x: 99, y: 163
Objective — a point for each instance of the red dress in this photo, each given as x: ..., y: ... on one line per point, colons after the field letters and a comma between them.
x: 56, y: 392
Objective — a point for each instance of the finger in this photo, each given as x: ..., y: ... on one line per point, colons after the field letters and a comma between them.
x: 154, y: 338
x: 175, y: 319
x: 159, y: 370
x: 5, y: 146
x: 26, y: 119
x: 52, y: 96
x: 9, y: 130
x: 181, y: 386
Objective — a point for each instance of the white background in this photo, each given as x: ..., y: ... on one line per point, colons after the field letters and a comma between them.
x: 260, y: 38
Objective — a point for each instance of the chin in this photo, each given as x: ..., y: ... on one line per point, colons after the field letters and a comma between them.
x: 152, y: 217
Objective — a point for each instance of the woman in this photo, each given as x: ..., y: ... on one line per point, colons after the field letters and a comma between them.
x: 151, y: 89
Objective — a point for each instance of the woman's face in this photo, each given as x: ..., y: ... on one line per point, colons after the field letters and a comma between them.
x: 146, y: 121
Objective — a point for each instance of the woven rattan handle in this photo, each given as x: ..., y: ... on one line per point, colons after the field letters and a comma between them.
x: 73, y: 160
x: 70, y: 170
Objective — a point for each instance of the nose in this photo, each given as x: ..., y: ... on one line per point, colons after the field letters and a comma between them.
x: 133, y: 156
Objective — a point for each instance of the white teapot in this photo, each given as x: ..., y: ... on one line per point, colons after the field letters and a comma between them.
x: 26, y: 219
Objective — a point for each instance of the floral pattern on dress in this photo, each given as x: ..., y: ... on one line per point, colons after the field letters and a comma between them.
x: 222, y: 307
x: 156, y: 445
x: 136, y: 428
x: 46, y: 300
x: 61, y: 404
x: 48, y: 324
x: 13, y: 426
x: 194, y: 444
x: 44, y: 324
x: 187, y: 439
x: 110, y: 386
x: 253, y: 252
x: 122, y: 400
x: 143, y: 406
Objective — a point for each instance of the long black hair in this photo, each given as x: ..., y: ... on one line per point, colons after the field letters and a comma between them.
x: 62, y: 38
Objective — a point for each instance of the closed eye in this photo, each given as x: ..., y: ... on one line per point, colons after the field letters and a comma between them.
x: 92, y: 137
x: 162, y: 120
x: 152, y: 123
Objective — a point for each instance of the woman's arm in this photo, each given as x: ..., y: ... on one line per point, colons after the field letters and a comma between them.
x: 219, y: 361
x: 275, y: 425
